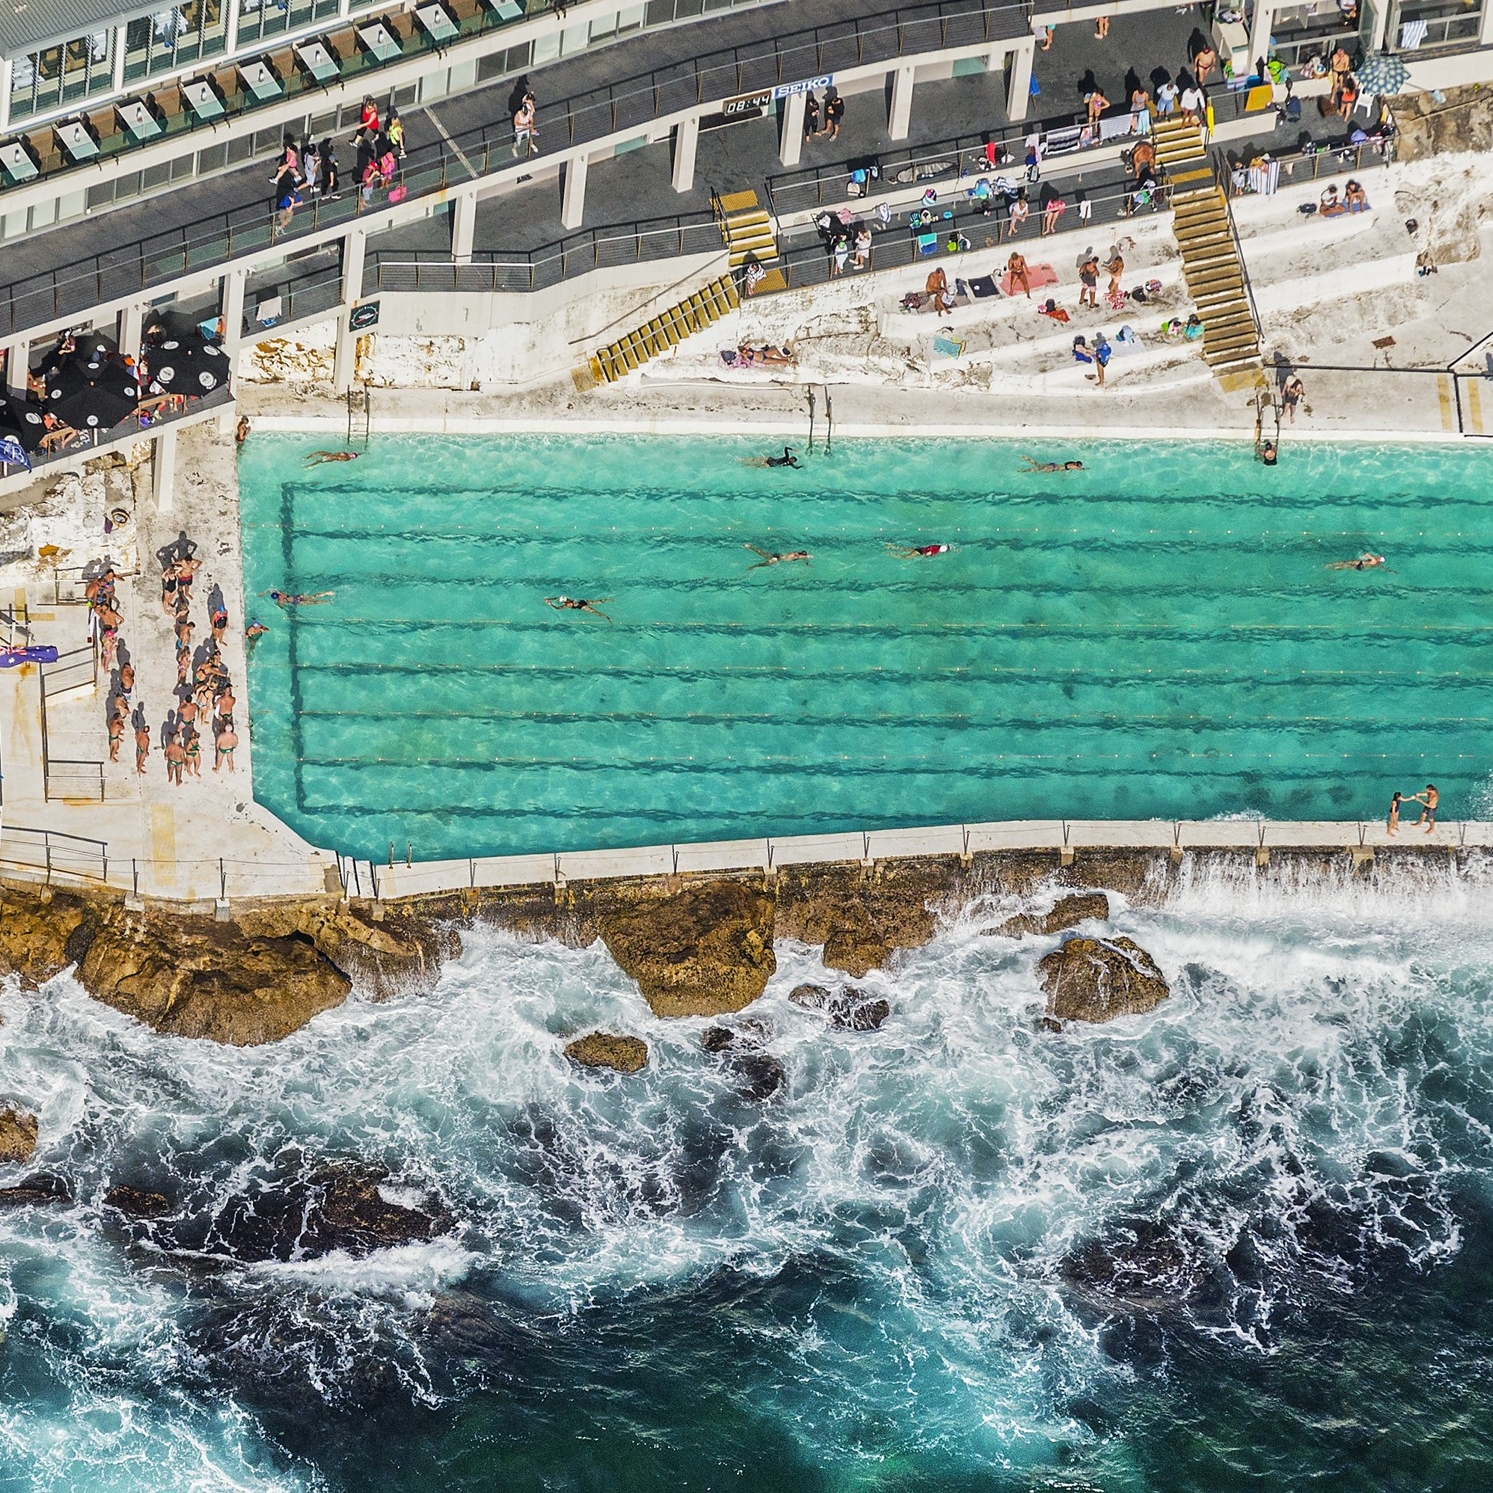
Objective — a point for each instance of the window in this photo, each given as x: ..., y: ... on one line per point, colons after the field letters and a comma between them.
x: 175, y: 37
x: 261, y: 19
x: 63, y: 75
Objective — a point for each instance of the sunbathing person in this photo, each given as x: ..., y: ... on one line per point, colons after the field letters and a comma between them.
x: 316, y: 458
x: 1354, y: 197
x: 902, y: 552
x: 763, y: 357
x: 299, y: 598
x: 1366, y: 561
x: 1329, y: 206
x: 773, y: 559
x: 578, y: 604
x: 1032, y: 465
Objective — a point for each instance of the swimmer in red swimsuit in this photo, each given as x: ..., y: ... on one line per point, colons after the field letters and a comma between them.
x: 917, y: 552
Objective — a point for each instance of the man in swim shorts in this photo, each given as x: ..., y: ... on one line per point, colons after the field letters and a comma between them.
x: 1429, y: 799
x: 1032, y: 465
x: 577, y: 604
x: 917, y: 551
x: 775, y: 559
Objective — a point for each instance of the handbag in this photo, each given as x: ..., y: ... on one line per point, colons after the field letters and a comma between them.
x: 398, y: 194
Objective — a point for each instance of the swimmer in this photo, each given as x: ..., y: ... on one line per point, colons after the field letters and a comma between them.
x: 787, y: 459
x: 255, y: 630
x: 1365, y: 561
x: 903, y: 553
x: 1033, y: 465
x: 317, y: 457
x: 771, y: 559
x: 578, y: 604
x: 299, y: 599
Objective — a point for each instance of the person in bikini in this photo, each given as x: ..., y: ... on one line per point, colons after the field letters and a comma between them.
x: 1392, y: 825
x: 1016, y: 269
x: 578, y: 604
x: 775, y: 559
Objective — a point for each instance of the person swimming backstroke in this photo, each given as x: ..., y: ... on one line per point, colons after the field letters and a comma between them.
x: 578, y: 604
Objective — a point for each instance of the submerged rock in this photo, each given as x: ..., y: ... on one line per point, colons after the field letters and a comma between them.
x: 134, y: 1202
x: 18, y: 1132
x: 848, y: 1008
x: 1065, y: 913
x: 1098, y: 979
x: 43, y: 1187
x: 605, y: 1050
x: 760, y: 1074
x: 700, y: 952
x: 336, y: 1207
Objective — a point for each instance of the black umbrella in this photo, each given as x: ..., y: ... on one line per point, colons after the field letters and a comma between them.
x: 92, y: 404
x: 186, y: 365
x: 95, y: 352
x: 23, y: 421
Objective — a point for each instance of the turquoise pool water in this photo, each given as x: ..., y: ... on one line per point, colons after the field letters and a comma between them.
x: 1157, y: 635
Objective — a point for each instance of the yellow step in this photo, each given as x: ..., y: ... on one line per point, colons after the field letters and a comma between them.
x: 737, y: 202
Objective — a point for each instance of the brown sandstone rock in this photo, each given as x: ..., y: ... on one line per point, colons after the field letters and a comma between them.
x: 35, y: 935
x: 605, y: 1050
x: 1066, y: 912
x: 699, y: 952
x: 193, y: 978
x: 1098, y: 979
x: 862, y: 922
x: 402, y: 955
x: 17, y: 1135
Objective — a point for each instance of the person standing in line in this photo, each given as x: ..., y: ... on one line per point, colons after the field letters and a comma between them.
x: 1166, y: 98
x: 331, y: 178
x: 395, y: 132
x: 1140, y: 104
x: 142, y: 748
x: 1096, y: 104
x: 1193, y: 103
x: 811, y: 116
x: 834, y: 112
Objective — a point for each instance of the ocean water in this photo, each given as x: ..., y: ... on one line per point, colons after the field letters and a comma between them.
x: 1154, y: 636
x: 1242, y: 1243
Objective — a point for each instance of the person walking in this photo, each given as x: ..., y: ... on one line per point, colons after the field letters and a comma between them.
x: 1428, y: 800
x: 1291, y: 394
x: 525, y: 136
x: 331, y: 178
x: 1088, y: 275
x: 1392, y: 824
x: 1166, y: 98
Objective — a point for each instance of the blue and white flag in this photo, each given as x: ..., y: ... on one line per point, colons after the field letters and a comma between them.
x: 13, y: 453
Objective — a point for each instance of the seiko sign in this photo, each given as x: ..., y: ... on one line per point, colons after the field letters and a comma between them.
x: 787, y: 90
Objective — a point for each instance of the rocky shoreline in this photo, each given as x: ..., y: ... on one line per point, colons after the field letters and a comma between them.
x: 698, y: 945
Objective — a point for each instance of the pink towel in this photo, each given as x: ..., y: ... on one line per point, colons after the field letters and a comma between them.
x: 1038, y: 274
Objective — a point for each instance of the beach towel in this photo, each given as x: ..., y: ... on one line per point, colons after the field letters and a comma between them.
x: 1412, y: 34
x: 1124, y: 344
x: 1038, y: 274
x: 1061, y: 142
x: 1264, y: 177
x: 982, y: 287
x: 947, y: 347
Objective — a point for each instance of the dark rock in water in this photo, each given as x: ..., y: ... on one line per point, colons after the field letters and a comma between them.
x: 761, y: 1074
x: 1098, y: 979
x: 847, y: 1008
x: 606, y: 1050
x: 137, y: 1203
x: 335, y: 1207
x: 1066, y: 912
x: 17, y: 1136
x: 43, y: 1187
x: 700, y: 952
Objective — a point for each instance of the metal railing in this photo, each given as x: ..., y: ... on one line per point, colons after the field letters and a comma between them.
x: 87, y: 441
x: 53, y: 853
x: 73, y: 669
x: 633, y: 102
x: 356, y: 65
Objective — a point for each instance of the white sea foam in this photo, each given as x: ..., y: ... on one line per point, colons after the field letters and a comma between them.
x: 892, y: 1237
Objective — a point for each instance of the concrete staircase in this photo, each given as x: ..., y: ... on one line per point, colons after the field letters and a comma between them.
x: 657, y: 336
x: 1210, y: 257
x: 746, y: 229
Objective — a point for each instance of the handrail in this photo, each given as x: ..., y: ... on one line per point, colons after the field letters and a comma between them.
x: 1221, y: 179
x: 432, y: 168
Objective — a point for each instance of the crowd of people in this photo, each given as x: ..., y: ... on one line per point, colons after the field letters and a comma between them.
x: 203, y: 696
x: 308, y: 168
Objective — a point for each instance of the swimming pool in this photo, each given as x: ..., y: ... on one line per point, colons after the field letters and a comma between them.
x: 1154, y: 636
